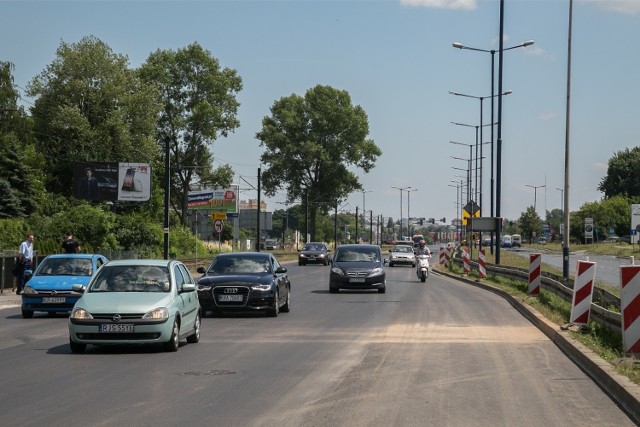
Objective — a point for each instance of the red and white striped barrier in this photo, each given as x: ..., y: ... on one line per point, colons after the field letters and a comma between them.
x: 447, y: 257
x: 441, y: 256
x: 466, y: 261
x: 482, y: 264
x: 582, y: 293
x: 535, y: 276
x: 630, y: 305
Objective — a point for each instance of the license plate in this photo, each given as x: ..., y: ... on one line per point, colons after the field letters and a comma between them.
x: 226, y: 298
x: 125, y: 327
x: 53, y: 300
x: 357, y: 280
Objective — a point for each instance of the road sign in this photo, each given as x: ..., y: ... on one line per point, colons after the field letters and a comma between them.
x: 218, y: 216
x: 217, y: 225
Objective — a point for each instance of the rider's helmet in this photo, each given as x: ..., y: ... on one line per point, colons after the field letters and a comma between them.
x: 422, y: 244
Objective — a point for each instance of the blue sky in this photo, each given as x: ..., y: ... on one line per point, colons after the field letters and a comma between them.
x: 396, y: 60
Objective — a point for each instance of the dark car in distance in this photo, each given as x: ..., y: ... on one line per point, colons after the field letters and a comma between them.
x: 314, y: 253
x: 357, y: 266
x: 244, y: 281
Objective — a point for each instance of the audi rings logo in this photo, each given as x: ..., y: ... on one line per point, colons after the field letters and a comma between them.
x: 117, y: 317
x: 230, y: 290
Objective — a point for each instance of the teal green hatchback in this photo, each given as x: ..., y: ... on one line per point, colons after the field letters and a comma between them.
x: 136, y: 302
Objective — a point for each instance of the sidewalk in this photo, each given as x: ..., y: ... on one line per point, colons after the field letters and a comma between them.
x: 9, y: 299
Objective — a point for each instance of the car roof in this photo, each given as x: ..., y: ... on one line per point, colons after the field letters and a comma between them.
x: 245, y: 254
x: 80, y: 256
x: 358, y: 245
x: 147, y: 262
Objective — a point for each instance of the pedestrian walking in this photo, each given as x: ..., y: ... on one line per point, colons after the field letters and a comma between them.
x: 24, y: 261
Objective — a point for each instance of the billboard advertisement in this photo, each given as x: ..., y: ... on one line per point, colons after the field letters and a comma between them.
x: 216, y: 199
x: 112, y: 181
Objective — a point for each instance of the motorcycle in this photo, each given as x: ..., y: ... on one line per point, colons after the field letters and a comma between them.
x: 423, y: 267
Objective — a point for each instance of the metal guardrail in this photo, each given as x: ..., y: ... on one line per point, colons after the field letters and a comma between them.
x: 564, y: 289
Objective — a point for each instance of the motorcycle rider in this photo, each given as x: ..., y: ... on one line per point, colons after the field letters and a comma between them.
x: 422, y: 249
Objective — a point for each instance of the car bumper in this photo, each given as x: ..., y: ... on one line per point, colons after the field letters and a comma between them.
x: 144, y: 331
x: 251, y: 301
x: 409, y: 261
x: 345, y: 282
x: 60, y: 304
x: 312, y: 260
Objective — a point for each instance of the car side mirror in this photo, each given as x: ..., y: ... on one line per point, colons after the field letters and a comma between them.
x: 188, y: 287
x: 281, y: 270
x: 78, y: 288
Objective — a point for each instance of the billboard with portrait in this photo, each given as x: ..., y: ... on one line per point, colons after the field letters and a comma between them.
x: 112, y: 181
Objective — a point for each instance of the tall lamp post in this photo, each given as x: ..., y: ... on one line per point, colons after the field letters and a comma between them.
x: 535, y: 193
x: 478, y: 188
x: 482, y: 98
x: 408, y: 209
x: 501, y: 50
x: 401, y: 190
x: 364, y: 210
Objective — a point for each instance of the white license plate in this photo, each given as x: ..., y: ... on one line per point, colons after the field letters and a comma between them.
x: 226, y: 298
x: 357, y: 280
x: 125, y: 327
x: 53, y: 300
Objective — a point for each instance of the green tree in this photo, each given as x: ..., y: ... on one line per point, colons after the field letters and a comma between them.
x: 200, y: 105
x: 312, y: 146
x: 19, y: 179
x: 91, y: 107
x: 554, y: 218
x: 622, y: 174
x: 530, y: 223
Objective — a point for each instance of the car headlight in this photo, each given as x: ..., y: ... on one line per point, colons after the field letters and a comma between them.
x: 376, y: 271
x: 302, y: 255
x: 261, y: 287
x: 204, y: 287
x: 28, y: 290
x: 80, y: 313
x: 337, y: 270
x: 321, y: 256
x: 157, y: 313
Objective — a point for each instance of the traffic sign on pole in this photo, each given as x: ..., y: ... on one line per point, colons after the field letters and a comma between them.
x: 218, y: 225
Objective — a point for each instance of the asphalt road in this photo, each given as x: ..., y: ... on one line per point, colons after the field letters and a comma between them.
x: 440, y: 353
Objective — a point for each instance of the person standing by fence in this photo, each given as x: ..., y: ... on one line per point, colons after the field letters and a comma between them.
x: 70, y: 246
x: 24, y: 261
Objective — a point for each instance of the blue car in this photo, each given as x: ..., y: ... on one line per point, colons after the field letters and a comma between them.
x: 50, y: 288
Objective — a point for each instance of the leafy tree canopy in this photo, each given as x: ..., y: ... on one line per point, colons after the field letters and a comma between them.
x: 530, y: 223
x: 622, y: 176
x: 199, y: 106
x: 313, y: 144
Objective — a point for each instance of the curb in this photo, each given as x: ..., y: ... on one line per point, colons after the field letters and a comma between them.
x: 622, y: 390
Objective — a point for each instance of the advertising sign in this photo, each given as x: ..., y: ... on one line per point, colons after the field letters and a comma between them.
x: 635, y: 221
x: 111, y: 181
x: 216, y: 199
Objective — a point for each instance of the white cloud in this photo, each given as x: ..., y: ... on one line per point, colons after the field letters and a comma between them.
x: 442, y: 4
x: 601, y: 167
x: 627, y: 7
x: 547, y: 116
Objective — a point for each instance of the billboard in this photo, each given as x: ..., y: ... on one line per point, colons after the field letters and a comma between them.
x: 215, y: 199
x: 112, y: 181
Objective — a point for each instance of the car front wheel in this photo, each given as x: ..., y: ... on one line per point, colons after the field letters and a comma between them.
x: 77, y: 347
x: 273, y: 312
x: 285, y: 308
x: 174, y: 340
x: 27, y: 314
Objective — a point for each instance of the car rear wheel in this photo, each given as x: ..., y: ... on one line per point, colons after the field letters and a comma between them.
x: 333, y: 290
x: 174, y: 340
x: 195, y: 337
x: 77, y: 347
x: 382, y: 290
x: 27, y: 314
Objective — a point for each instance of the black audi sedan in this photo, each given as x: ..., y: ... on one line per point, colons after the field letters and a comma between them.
x: 357, y: 266
x: 244, y: 281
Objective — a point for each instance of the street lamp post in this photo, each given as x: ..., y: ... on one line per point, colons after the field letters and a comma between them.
x: 501, y: 50
x: 481, y: 98
x: 535, y: 193
x: 401, y: 190
x: 364, y: 209
x: 561, y: 190
x: 408, y: 210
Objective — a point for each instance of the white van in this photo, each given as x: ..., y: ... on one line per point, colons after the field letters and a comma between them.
x: 516, y: 241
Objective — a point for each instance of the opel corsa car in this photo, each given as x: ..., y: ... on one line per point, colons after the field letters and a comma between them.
x: 245, y: 281
x: 314, y: 253
x: 50, y: 289
x: 136, y: 302
x: 357, y: 266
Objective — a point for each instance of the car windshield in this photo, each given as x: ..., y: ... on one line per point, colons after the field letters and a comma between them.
x: 357, y: 255
x: 403, y: 249
x: 313, y: 248
x: 240, y: 265
x: 66, y: 267
x: 132, y: 278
